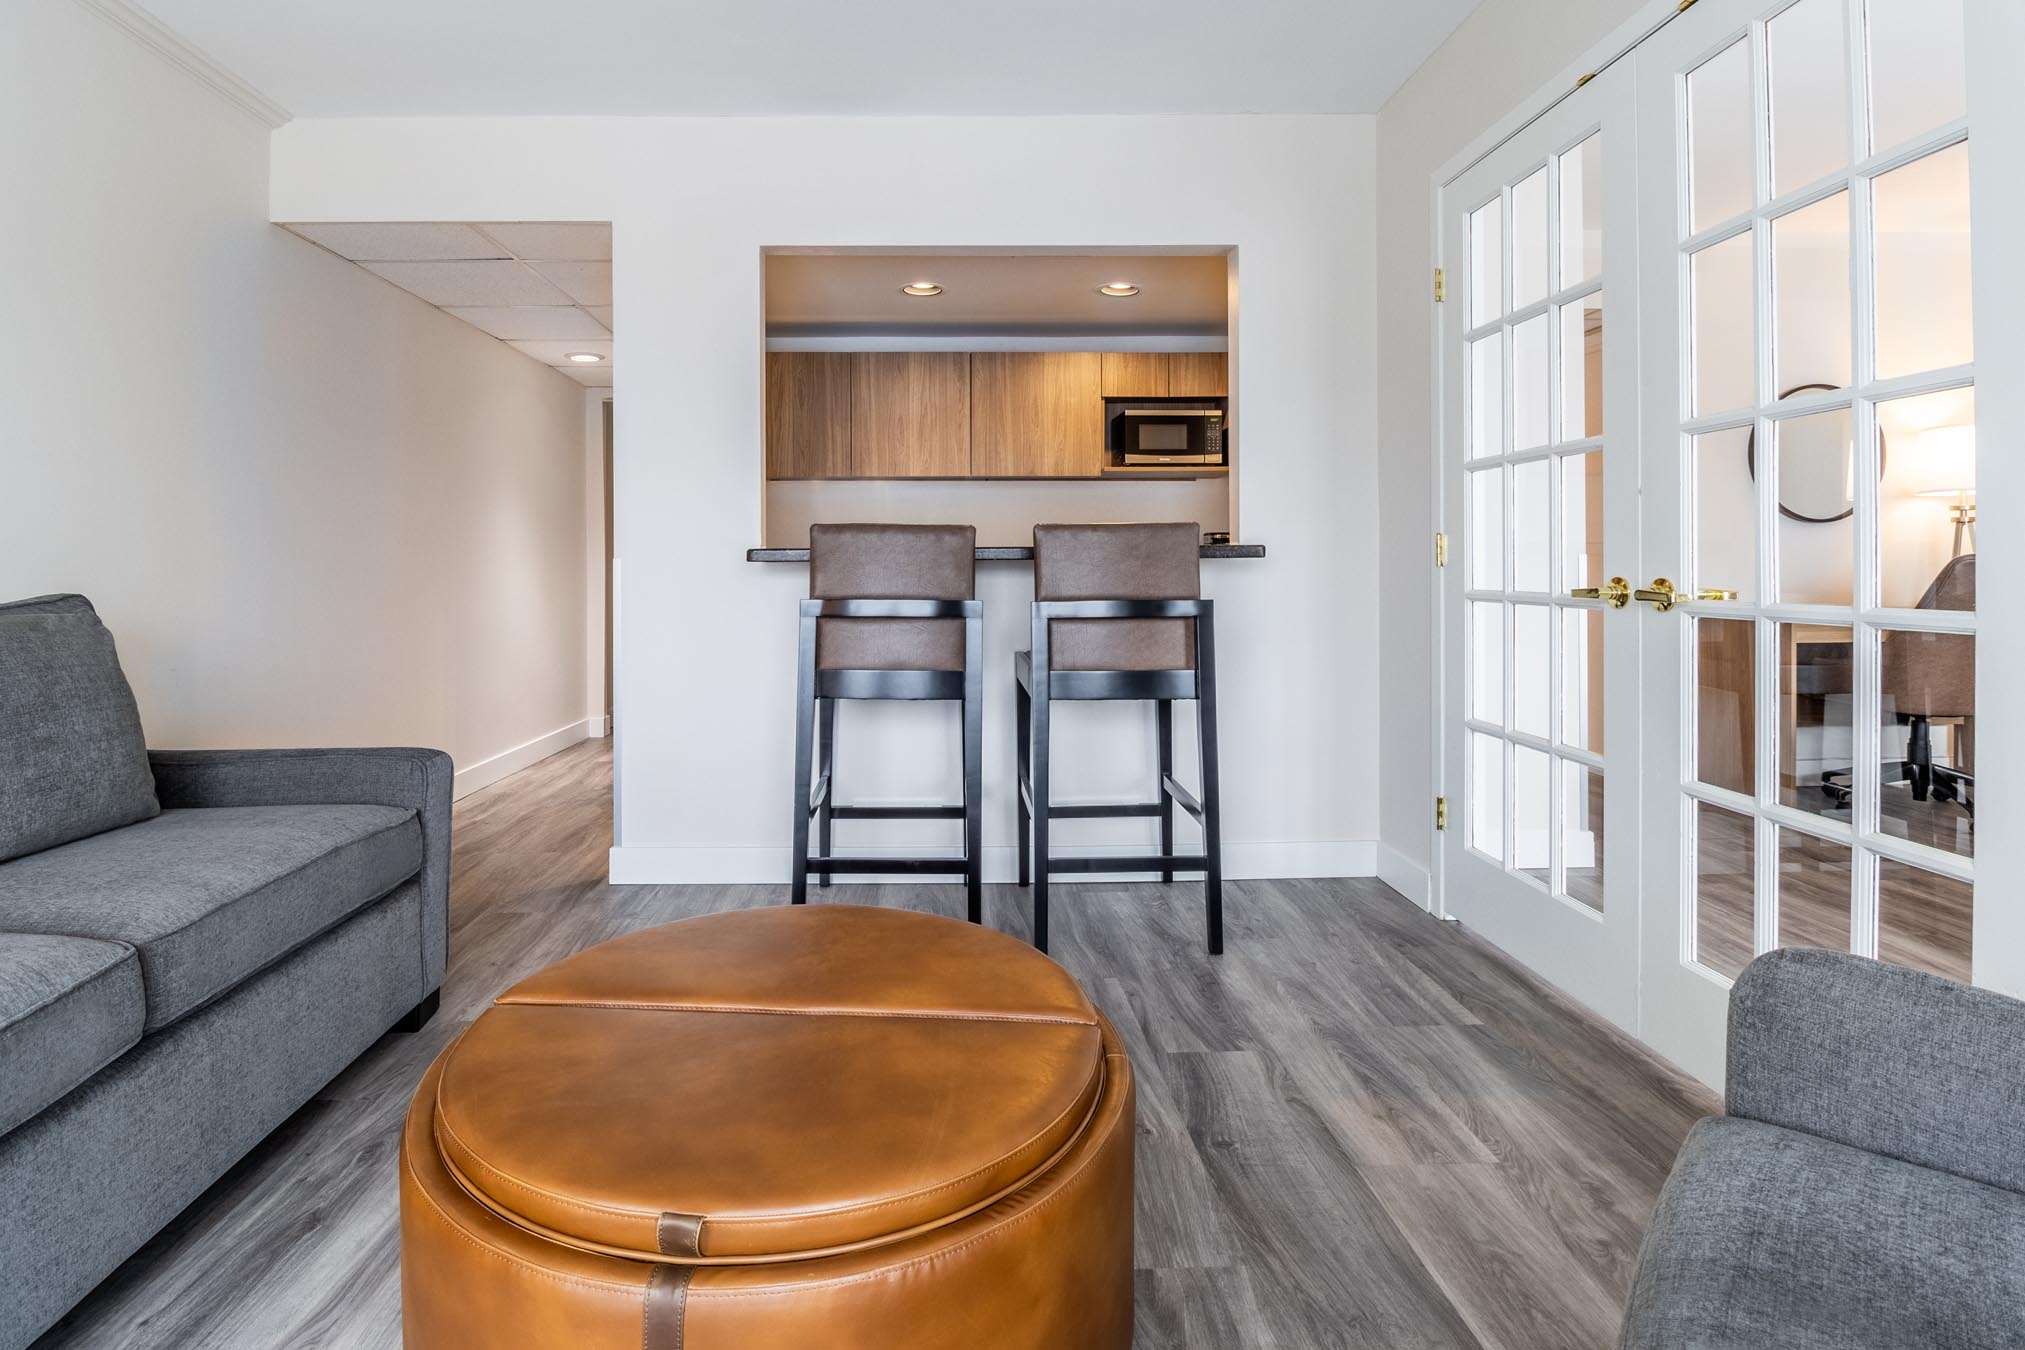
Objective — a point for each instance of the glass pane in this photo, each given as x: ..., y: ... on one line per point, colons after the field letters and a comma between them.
x: 1487, y: 397
x: 1926, y: 511
x: 1487, y: 530
x: 1582, y: 212
x: 1810, y: 295
x: 1487, y: 662
x: 1529, y: 240
x: 1531, y: 523
x: 1817, y: 534
x: 1809, y: 68
x: 1532, y: 801
x: 1531, y: 384
x: 1582, y: 368
x: 1487, y: 262
x: 1720, y: 137
x: 1582, y: 520
x: 1817, y: 745
x: 1725, y: 864
x: 1726, y: 664
x: 1723, y: 326
x: 1923, y: 304
x: 1487, y: 794
x: 1582, y: 834
x: 1582, y: 678
x: 1531, y: 675
x: 1726, y: 514
x: 1814, y: 893
x: 1923, y: 919
x: 1917, y: 81
x: 1928, y: 701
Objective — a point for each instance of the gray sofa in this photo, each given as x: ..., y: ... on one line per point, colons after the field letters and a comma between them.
x: 192, y: 943
x: 1867, y: 1188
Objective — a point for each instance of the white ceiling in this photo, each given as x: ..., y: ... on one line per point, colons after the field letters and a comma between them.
x: 831, y: 293
x: 350, y: 58
x: 542, y: 287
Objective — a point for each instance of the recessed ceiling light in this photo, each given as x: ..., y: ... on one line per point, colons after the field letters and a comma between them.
x: 583, y: 358
x: 1119, y: 288
x: 921, y: 288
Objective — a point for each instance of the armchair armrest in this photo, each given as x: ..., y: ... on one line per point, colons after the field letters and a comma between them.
x: 1882, y: 1058
x: 400, y: 776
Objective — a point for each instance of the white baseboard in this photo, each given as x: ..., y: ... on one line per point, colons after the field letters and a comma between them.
x: 1407, y: 877
x: 596, y: 727
x: 703, y: 864
x: 486, y: 772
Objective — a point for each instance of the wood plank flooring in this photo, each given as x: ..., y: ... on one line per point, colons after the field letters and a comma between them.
x: 1359, y: 1128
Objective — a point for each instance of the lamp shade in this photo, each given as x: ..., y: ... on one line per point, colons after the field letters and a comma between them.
x: 1946, y: 466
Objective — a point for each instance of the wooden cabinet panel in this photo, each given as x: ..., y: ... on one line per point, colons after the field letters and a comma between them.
x: 1036, y: 415
x: 1197, y: 375
x: 808, y: 414
x: 910, y: 414
x: 1135, y: 374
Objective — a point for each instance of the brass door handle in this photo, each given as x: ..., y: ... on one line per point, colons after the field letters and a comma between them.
x: 1615, y: 595
x: 1660, y: 595
x: 1711, y: 593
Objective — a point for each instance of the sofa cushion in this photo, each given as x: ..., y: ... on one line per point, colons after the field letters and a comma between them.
x: 1766, y: 1236
x: 209, y: 896
x: 69, y: 1006
x: 72, y: 759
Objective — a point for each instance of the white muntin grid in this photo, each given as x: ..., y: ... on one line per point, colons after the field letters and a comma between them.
x: 1866, y: 617
x: 1556, y: 455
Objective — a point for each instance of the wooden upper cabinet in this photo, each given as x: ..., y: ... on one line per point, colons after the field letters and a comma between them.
x: 1135, y: 374
x: 1036, y: 415
x: 910, y: 414
x: 808, y: 414
x: 1197, y: 374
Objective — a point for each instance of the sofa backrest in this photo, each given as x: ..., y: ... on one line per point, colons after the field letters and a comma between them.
x: 73, y: 761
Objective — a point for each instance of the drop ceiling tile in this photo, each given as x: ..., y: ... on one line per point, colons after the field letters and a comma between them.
x: 588, y: 283
x: 593, y: 377
x: 557, y: 353
x: 602, y: 313
x: 381, y: 241
x: 532, y: 321
x: 554, y: 240
x: 488, y: 284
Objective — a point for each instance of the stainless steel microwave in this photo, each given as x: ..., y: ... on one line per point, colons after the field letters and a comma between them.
x: 1170, y: 435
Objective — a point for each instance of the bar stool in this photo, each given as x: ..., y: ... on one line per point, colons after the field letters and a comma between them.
x: 892, y: 614
x: 1118, y: 614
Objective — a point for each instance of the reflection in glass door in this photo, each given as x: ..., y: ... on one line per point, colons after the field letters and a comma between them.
x: 1539, y: 474
x: 1807, y: 270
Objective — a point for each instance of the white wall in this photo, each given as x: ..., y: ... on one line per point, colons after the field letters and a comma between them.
x: 707, y: 639
x: 1500, y: 56
x: 311, y: 508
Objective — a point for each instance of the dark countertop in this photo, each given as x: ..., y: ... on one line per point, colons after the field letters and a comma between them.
x: 1010, y: 553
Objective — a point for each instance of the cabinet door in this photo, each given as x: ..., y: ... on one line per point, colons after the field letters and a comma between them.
x: 1135, y: 374
x: 910, y: 415
x: 1036, y: 415
x: 1197, y: 375
x: 808, y: 414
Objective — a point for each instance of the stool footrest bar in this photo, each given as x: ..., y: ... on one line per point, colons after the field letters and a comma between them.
x: 1148, y: 862
x: 896, y: 813
x: 947, y: 867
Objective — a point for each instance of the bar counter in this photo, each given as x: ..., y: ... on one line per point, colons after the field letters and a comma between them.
x: 1006, y: 553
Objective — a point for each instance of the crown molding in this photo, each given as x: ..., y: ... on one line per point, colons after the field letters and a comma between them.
x: 145, y: 29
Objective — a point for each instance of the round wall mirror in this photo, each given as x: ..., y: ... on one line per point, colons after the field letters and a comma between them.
x: 1817, y: 462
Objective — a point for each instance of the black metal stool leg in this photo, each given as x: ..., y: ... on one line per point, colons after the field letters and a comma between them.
x: 1037, y: 753
x: 1212, y: 783
x: 805, y: 735
x: 1163, y: 730
x: 973, y: 769
x: 826, y: 765
x: 1023, y: 758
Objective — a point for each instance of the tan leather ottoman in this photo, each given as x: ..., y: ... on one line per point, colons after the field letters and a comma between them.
x: 802, y: 1128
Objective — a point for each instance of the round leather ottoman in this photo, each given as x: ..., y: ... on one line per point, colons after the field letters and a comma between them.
x: 803, y: 1128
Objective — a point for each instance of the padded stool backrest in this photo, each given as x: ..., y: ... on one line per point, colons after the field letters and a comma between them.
x: 891, y: 562
x: 1119, y: 562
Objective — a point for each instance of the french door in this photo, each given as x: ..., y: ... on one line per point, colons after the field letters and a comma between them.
x: 1709, y: 331
x: 1541, y: 476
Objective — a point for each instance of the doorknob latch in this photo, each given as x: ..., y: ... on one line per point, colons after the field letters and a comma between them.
x: 1616, y: 595
x: 1660, y: 595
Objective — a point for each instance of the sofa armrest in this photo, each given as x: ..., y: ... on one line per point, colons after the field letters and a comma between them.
x: 399, y: 776
x: 1882, y: 1058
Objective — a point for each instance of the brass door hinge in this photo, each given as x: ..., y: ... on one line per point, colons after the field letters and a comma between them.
x: 1440, y: 549
x: 1440, y: 286
x: 1441, y: 813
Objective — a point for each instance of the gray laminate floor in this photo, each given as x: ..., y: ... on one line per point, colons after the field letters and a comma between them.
x: 1360, y: 1127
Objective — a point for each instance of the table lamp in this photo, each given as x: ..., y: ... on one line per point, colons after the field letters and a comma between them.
x: 1948, y: 463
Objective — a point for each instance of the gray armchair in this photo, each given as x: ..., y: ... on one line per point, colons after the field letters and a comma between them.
x: 1866, y: 1189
